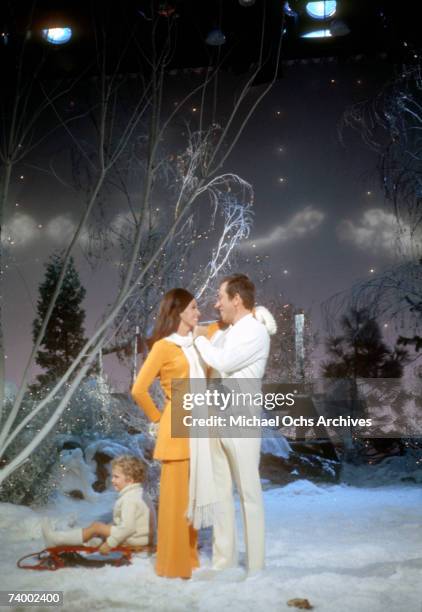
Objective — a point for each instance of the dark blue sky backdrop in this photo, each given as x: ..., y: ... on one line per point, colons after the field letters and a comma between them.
x: 319, y: 211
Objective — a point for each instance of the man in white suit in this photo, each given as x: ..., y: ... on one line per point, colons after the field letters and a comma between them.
x: 241, y: 351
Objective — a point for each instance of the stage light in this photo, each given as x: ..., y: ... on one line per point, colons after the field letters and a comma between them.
x: 215, y: 38
x: 321, y: 10
x: 57, y: 36
x: 317, y: 34
x: 289, y: 11
x: 246, y: 2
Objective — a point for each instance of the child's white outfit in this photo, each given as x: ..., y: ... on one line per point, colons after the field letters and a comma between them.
x: 133, y: 518
x: 133, y: 523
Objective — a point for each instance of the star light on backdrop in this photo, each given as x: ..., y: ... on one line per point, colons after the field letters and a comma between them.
x: 269, y: 218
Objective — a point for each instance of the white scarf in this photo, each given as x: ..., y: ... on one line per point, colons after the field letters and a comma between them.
x: 202, y: 492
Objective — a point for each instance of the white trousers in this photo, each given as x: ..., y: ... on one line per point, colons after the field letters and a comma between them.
x: 238, y: 459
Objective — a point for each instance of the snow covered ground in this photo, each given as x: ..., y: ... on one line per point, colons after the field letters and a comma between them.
x: 343, y: 548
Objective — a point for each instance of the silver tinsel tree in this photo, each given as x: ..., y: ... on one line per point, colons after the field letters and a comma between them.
x: 93, y: 413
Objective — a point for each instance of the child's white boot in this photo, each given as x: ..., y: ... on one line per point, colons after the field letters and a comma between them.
x: 71, y: 537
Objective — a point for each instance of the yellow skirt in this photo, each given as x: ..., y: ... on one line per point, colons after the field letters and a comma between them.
x: 176, y: 538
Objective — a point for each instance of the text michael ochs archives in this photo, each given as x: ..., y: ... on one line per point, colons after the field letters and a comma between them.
x: 245, y: 403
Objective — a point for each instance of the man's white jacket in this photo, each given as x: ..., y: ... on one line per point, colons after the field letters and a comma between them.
x: 244, y: 351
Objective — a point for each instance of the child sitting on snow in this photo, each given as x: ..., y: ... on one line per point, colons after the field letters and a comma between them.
x: 133, y: 513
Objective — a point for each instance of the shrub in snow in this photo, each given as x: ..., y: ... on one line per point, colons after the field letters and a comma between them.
x: 93, y: 414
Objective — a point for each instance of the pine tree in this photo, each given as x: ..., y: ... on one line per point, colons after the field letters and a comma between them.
x: 64, y: 336
x: 360, y: 351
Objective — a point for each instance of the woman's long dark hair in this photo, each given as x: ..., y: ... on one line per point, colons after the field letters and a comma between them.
x: 173, y: 303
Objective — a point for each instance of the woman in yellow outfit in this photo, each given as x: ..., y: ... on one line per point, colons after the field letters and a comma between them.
x: 176, y: 538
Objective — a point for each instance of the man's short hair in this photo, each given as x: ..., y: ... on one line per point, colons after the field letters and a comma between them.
x: 241, y: 284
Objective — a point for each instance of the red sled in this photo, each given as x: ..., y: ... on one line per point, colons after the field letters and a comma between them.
x: 58, y: 557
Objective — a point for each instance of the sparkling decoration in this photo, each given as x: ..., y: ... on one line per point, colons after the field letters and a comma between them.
x: 229, y: 222
x: 92, y: 413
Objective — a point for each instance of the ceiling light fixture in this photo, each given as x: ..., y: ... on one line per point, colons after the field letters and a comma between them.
x: 57, y: 36
x: 318, y: 34
x: 321, y: 10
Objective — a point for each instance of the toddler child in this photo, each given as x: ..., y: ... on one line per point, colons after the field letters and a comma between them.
x: 133, y: 513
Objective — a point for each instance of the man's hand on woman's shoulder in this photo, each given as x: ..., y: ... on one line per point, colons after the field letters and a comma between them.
x: 200, y: 330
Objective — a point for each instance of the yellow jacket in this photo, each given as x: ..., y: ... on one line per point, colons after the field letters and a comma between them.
x: 166, y: 361
x: 212, y: 328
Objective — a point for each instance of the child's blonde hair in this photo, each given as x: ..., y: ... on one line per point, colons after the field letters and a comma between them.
x: 131, y: 466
